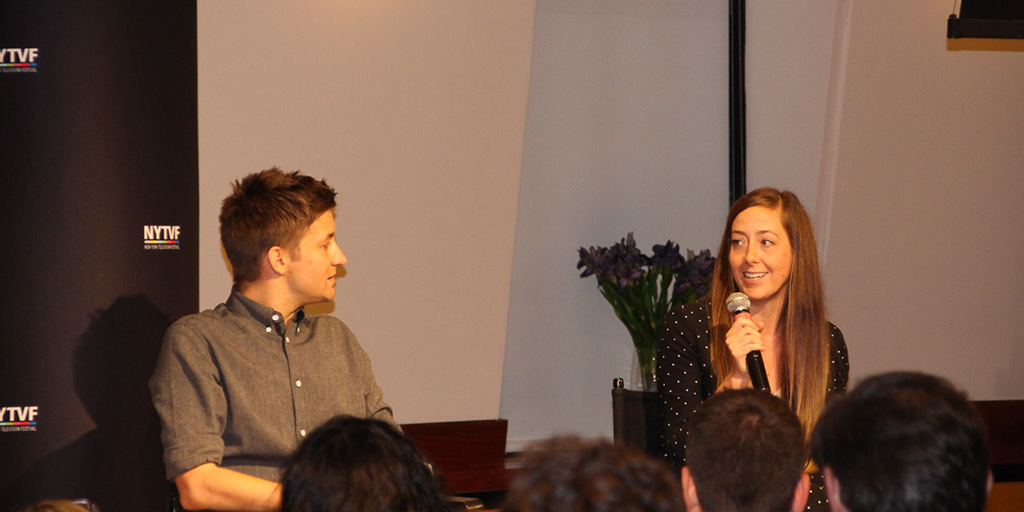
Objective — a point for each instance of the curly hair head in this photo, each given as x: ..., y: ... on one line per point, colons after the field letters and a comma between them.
x: 570, y: 474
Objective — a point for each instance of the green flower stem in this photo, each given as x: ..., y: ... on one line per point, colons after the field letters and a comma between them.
x: 642, y: 307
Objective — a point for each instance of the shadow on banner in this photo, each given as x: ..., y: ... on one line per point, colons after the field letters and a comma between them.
x: 98, y: 239
x: 112, y: 464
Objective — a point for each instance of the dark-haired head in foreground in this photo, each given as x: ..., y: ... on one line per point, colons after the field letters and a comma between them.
x: 57, y: 506
x: 746, y: 454
x: 569, y: 474
x: 903, y: 441
x: 359, y: 465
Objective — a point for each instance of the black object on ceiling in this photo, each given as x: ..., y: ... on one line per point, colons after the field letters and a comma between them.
x: 987, y: 19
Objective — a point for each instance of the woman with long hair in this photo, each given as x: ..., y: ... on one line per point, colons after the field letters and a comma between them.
x: 768, y: 253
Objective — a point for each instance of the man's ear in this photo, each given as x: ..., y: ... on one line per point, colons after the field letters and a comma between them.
x: 689, y: 491
x: 278, y: 259
x: 832, y: 489
x: 803, y: 486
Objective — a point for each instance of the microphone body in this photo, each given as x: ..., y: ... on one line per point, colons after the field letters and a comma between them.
x: 739, y: 305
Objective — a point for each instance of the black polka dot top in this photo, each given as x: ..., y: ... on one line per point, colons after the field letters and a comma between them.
x: 686, y: 378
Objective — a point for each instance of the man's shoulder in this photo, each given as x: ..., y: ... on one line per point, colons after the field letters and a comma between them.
x: 328, y: 324
x: 206, y: 317
x: 206, y: 322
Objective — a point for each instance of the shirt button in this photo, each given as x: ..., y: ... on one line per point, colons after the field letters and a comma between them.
x: 269, y: 329
x: 286, y: 340
x: 302, y: 432
x: 298, y: 383
x: 275, y: 318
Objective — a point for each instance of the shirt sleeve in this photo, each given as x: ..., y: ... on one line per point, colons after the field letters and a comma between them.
x: 376, y: 407
x: 190, y: 401
x: 839, y: 362
x: 361, y: 369
x: 683, y: 368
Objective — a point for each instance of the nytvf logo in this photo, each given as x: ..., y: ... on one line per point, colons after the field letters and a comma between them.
x: 154, y: 233
x: 161, y: 237
x: 18, y: 415
x: 19, y: 56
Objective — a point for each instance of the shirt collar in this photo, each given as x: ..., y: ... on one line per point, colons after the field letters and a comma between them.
x: 265, y: 315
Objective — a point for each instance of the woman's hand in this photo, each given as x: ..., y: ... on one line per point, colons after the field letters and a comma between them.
x: 742, y: 338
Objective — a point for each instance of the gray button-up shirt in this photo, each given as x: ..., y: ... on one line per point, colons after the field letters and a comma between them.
x: 236, y: 387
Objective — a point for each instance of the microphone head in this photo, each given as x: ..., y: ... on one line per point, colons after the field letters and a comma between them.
x: 737, y: 302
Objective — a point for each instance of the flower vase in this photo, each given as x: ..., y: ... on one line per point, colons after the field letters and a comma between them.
x: 644, y: 370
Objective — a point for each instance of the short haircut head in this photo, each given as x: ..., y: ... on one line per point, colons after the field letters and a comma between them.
x: 267, y: 209
x: 358, y: 465
x: 745, y: 452
x: 570, y: 474
x: 905, y: 441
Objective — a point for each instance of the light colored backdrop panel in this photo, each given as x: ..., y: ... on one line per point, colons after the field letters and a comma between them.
x: 627, y: 130
x: 927, y: 230
x: 788, y: 57
x: 414, y: 112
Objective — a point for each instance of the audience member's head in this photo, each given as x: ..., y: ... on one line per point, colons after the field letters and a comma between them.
x: 570, y: 474
x: 59, y: 506
x: 903, y: 441
x: 359, y: 465
x: 745, y: 453
x: 267, y: 209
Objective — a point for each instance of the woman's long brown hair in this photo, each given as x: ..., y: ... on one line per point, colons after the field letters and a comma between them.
x: 802, y: 327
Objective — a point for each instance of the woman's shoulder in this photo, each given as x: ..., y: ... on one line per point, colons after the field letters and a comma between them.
x: 698, y: 306
x: 697, y: 312
x: 835, y: 333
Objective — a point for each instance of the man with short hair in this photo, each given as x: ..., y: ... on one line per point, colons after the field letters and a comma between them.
x: 744, y: 454
x: 238, y: 387
x: 903, y: 441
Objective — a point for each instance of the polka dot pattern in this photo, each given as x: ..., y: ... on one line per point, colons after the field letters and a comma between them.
x: 686, y: 378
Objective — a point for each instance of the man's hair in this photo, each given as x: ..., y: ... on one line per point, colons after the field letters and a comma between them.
x: 905, y: 441
x: 267, y: 209
x: 357, y: 465
x: 745, y: 452
x: 570, y: 474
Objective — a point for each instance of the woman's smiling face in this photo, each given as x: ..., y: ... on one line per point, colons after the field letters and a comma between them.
x: 760, y: 254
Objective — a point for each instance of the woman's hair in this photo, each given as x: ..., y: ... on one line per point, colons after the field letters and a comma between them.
x: 570, y: 474
x: 359, y: 465
x: 802, y: 329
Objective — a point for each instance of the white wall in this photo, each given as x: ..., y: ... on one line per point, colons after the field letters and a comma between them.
x: 788, y: 63
x: 926, y: 233
x: 905, y: 148
x: 414, y: 112
x: 905, y: 151
x: 627, y: 130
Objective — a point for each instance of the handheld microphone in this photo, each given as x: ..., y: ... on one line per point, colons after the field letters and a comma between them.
x: 739, y: 304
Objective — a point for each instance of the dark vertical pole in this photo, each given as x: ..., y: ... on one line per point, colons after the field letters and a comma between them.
x: 737, y: 100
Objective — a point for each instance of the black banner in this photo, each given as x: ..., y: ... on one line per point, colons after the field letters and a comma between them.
x: 99, y: 241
